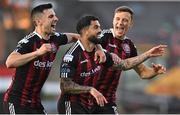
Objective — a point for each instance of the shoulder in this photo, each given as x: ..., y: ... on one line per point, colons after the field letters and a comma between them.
x: 58, y: 35
x: 106, y: 34
x: 59, y: 38
x: 72, y: 53
x: 129, y: 41
x: 28, y: 38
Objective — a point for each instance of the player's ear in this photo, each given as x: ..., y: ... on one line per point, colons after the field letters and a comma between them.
x: 131, y: 24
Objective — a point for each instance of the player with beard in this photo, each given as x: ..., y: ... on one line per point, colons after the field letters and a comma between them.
x: 80, y: 74
x: 79, y: 70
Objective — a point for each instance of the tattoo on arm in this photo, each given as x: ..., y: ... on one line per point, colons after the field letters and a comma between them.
x: 69, y: 86
x: 132, y: 62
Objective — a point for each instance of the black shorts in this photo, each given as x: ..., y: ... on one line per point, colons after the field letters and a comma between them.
x: 66, y: 107
x: 106, y: 109
x: 13, y: 108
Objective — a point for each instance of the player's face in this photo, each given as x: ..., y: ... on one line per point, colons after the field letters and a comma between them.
x: 49, y: 21
x: 121, y: 23
x: 94, y: 31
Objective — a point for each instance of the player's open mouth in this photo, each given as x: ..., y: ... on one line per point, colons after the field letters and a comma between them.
x: 120, y: 29
x: 53, y: 26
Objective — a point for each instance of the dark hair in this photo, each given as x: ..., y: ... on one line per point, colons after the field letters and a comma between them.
x: 40, y: 9
x: 125, y: 9
x: 85, y: 22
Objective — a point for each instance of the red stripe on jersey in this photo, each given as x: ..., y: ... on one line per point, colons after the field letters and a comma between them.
x: 123, y: 56
x: 27, y: 84
x: 88, y: 82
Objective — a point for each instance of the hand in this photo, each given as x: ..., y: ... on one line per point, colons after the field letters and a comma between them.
x: 100, y: 99
x: 158, y: 69
x: 44, y: 49
x: 157, y: 51
x: 99, y: 54
x: 116, y: 59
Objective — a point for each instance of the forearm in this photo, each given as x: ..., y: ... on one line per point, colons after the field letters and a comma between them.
x: 72, y: 37
x: 99, y: 47
x: 68, y: 86
x: 16, y: 59
x: 132, y: 62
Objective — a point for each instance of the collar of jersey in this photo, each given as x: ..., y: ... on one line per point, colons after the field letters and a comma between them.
x: 79, y: 42
x: 37, y: 34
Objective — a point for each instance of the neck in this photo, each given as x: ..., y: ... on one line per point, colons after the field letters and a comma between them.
x: 42, y: 34
x: 88, y: 46
x: 120, y: 37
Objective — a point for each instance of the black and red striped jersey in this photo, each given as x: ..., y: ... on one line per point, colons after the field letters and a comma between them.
x: 108, y: 81
x: 79, y: 65
x: 29, y: 78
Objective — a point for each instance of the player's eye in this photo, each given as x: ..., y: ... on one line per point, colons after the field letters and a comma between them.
x: 50, y: 16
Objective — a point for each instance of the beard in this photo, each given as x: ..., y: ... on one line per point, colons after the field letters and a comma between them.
x: 94, y: 40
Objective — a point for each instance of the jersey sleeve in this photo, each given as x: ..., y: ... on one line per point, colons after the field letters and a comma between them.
x: 103, y: 41
x: 106, y: 35
x: 109, y: 62
x: 61, y: 38
x: 67, y: 68
x: 23, y: 46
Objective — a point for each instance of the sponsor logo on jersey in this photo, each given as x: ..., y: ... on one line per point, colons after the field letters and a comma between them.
x: 127, y: 48
x: 46, y: 64
x: 91, y: 72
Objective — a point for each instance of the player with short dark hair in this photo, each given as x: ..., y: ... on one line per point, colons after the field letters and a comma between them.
x: 33, y: 59
x: 79, y: 70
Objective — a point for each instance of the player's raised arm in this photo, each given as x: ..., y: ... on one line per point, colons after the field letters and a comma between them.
x: 134, y: 61
x: 16, y: 59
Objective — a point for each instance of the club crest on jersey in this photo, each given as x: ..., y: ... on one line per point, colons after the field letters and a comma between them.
x: 127, y: 48
x: 53, y: 48
x: 68, y: 58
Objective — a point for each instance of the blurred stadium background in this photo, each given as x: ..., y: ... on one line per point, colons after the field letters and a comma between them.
x: 156, y: 22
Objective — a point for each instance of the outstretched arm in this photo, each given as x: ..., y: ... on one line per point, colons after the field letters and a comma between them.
x: 128, y: 63
x: 134, y: 61
x: 68, y: 86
